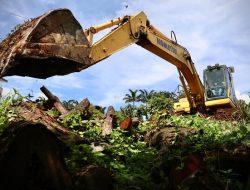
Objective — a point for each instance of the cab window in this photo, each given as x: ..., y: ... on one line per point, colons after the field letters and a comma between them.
x: 215, y: 83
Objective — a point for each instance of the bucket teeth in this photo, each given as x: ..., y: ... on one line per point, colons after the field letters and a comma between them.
x: 51, y: 44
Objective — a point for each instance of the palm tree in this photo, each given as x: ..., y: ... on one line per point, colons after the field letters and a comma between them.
x: 132, y: 97
x: 145, y: 95
x: 128, y: 110
x: 70, y: 104
x: 167, y: 94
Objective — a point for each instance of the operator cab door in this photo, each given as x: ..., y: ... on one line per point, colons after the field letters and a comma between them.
x: 219, y: 90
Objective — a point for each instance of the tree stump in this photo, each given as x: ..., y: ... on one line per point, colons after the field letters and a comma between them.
x: 31, y: 113
x: 55, y: 100
x: 31, y: 159
x: 126, y: 124
x: 109, y: 121
x: 82, y: 108
x: 94, y: 178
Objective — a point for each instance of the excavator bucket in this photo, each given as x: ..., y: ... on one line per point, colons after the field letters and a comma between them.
x: 52, y: 44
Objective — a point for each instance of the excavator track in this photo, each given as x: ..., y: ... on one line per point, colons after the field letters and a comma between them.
x: 226, y: 114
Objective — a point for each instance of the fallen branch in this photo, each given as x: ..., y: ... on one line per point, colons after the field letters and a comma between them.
x: 55, y: 100
x: 31, y: 113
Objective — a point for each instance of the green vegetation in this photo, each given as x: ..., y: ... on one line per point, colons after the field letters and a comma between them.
x: 151, y: 104
x: 7, y: 109
x: 129, y: 159
x: 215, y: 134
x: 133, y: 162
x: 70, y: 104
x: 245, y: 111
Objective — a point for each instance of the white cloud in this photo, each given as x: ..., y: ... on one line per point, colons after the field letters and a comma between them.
x: 242, y: 96
x: 6, y: 91
x: 65, y: 82
x: 111, y: 98
x: 150, y: 73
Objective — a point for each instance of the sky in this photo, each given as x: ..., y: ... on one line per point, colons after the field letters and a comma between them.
x: 212, y: 31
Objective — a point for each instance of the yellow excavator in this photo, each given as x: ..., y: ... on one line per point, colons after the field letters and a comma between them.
x: 56, y: 44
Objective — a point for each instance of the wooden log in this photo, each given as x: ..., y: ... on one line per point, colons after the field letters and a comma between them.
x: 126, y: 124
x: 33, y: 114
x: 1, y: 91
x: 109, y: 121
x: 167, y: 135
x: 56, y: 101
x: 81, y: 108
x: 94, y: 178
x: 135, y: 121
x: 31, y: 157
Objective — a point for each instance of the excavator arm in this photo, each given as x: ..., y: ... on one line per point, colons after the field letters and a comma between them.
x: 138, y: 30
x: 55, y: 44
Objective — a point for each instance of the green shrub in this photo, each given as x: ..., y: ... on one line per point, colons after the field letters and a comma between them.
x: 7, y: 109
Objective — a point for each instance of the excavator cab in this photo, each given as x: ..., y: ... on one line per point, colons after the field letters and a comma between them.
x: 219, y: 89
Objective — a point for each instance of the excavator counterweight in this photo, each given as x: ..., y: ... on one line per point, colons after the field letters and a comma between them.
x: 52, y: 44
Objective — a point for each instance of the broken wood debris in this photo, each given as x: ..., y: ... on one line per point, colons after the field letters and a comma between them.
x: 30, y: 112
x: 31, y: 158
x: 82, y: 108
x: 109, y: 121
x: 55, y: 100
